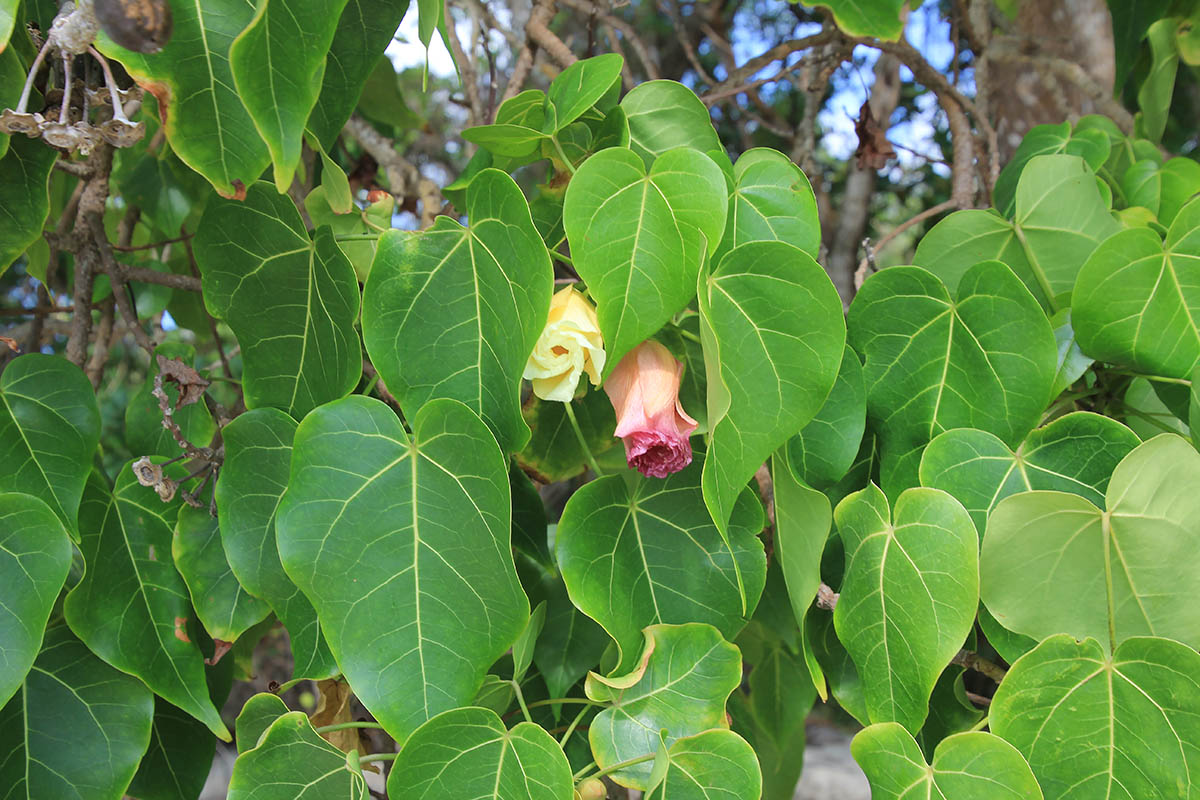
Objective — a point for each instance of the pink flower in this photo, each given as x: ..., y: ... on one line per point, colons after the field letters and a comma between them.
x: 644, y: 390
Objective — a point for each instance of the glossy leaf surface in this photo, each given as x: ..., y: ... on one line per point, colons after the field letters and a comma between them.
x: 425, y: 523
x: 455, y: 312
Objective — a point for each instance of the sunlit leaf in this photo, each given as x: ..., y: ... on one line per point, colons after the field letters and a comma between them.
x: 771, y: 200
x: 290, y: 762
x: 581, y: 85
x: 713, y: 764
x: 879, y: 18
x: 909, y: 596
x: 1055, y: 563
x: 663, y: 115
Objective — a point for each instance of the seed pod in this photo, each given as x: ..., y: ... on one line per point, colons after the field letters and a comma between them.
x: 143, y: 26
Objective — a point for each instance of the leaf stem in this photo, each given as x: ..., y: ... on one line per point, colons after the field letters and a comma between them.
x: 587, y: 451
x: 558, y: 148
x: 620, y: 765
x: 371, y: 385
x: 978, y: 726
x: 557, y: 256
x: 378, y: 757
x: 354, y: 237
x: 283, y: 687
x: 1155, y: 378
x: 571, y: 728
x: 521, y: 700
x: 341, y: 726
x: 553, y: 701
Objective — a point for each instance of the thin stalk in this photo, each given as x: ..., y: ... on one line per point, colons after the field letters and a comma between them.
x: 371, y: 384
x: 587, y: 451
x: 554, y: 701
x: 557, y: 256
x: 341, y: 726
x: 571, y: 728
x: 355, y: 237
x: 558, y: 148
x: 378, y: 757
x: 521, y: 700
x: 615, y: 767
x: 978, y: 726
x: 1156, y: 378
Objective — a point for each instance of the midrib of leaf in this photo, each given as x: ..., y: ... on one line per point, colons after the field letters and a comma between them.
x: 1106, y: 539
x: 32, y: 456
x: 1193, y: 328
x: 414, y: 458
x: 637, y: 530
x: 212, y: 87
x: 1035, y: 266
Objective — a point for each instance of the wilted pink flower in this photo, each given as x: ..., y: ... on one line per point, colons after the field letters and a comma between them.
x: 644, y: 390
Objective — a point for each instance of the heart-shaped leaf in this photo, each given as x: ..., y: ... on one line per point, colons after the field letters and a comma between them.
x: 455, y: 312
x: 291, y: 301
x: 72, y: 696
x: 709, y: 765
x: 425, y: 521
x: 1060, y: 219
x: 822, y: 452
x: 224, y: 608
x: 49, y: 429
x: 985, y: 359
x: 1094, y: 725
x: 581, y: 85
x: 468, y: 752
x: 909, y: 596
x: 773, y: 342
x: 289, y: 758
x: 1137, y: 301
x: 257, y: 714
x: 1076, y: 453
x: 663, y: 115
x: 258, y: 454
x: 1091, y: 145
x: 278, y: 62
x: 680, y: 685
x: 35, y: 554
x: 24, y: 196
x: 364, y: 30
x: 771, y: 200
x: 131, y: 608
x: 966, y: 766
x: 639, y: 238
x: 205, y: 120
x: 635, y: 539
x: 1055, y: 563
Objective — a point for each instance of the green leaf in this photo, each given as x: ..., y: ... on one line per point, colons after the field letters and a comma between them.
x: 802, y: 523
x: 1060, y: 219
x: 680, y: 685
x: 1072, y: 363
x: 773, y: 342
x: 291, y: 761
x: 375, y: 217
x: 425, y: 522
x: 909, y: 596
x: 144, y: 431
x: 1129, y: 24
x: 877, y: 18
x: 363, y: 32
x: 554, y: 449
x: 637, y: 237
x: 663, y: 115
x: 710, y: 765
x: 224, y: 608
x: 1094, y: 725
x: 468, y: 752
x: 966, y: 766
x: 8, y: 16
x: 12, y: 78
x: 88, y: 728
x: 823, y: 451
x: 1076, y: 453
x: 291, y: 301
x: 507, y: 140
x: 49, y: 429
x: 179, y: 759
x: 529, y: 526
x: 455, y: 312
x: 131, y: 607
x: 581, y: 85
x: 278, y: 62
x: 258, y: 713
x: 336, y: 185
x: 258, y: 453
x: 202, y: 115
x: 636, y: 539
x: 35, y: 554
x: 771, y: 200
x: 985, y: 359
x: 1154, y: 95
x: 1142, y: 185
x: 1180, y: 178
x: 1090, y: 144
x: 24, y: 196
x: 571, y: 643
x: 1137, y: 301
x: 950, y: 710
x: 522, y: 649
x: 1055, y: 563
x: 1009, y: 645
x: 772, y: 719
x: 845, y: 684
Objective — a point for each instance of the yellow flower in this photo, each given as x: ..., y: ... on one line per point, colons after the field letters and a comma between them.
x: 570, y: 345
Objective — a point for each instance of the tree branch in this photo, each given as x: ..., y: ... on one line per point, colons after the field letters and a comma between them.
x: 976, y: 662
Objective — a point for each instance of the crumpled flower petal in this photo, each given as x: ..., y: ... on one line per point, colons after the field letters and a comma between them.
x: 644, y: 390
x: 570, y: 345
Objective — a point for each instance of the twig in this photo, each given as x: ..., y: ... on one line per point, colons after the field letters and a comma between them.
x: 152, y: 245
x: 148, y: 275
x: 104, y: 336
x: 466, y: 69
x: 864, y: 266
x: 739, y: 76
x: 976, y: 662
x: 627, y: 31
x: 539, y: 31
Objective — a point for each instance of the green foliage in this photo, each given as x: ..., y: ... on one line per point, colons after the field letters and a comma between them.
x: 1002, y: 436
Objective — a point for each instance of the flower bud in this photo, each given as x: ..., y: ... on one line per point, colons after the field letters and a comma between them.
x: 644, y: 390
x: 570, y: 345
